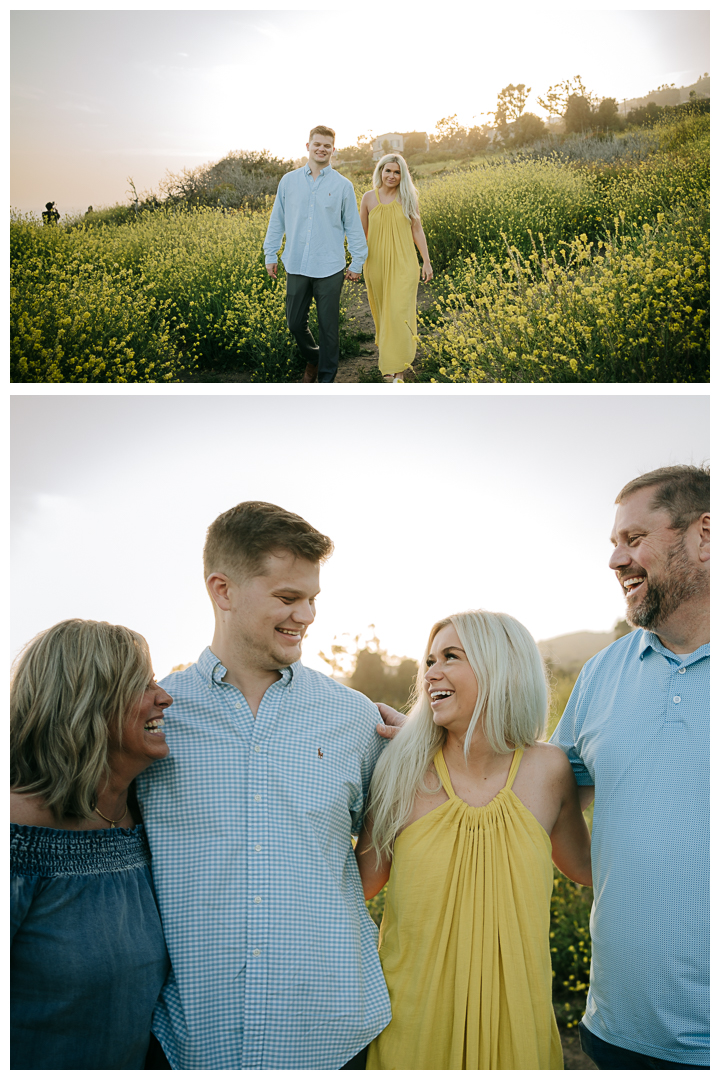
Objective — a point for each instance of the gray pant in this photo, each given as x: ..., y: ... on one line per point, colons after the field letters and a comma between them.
x: 326, y: 291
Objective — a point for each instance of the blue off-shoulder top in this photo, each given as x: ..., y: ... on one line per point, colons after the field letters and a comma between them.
x: 87, y: 957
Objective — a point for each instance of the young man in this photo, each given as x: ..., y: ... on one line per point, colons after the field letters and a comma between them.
x: 250, y: 818
x: 315, y: 209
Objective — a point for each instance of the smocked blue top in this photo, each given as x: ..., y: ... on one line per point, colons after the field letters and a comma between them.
x: 88, y: 958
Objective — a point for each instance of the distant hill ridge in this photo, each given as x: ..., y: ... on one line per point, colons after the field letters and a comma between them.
x: 571, y: 651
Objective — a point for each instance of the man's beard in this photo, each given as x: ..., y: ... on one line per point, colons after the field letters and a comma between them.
x: 680, y: 582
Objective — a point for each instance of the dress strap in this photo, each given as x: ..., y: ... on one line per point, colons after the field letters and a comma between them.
x: 442, y: 771
x: 517, y: 758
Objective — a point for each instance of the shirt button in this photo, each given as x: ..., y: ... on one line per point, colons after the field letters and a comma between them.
x: 258, y: 847
x: 676, y: 699
x: 257, y: 798
x: 681, y: 671
x: 257, y: 749
x: 256, y: 952
x: 258, y: 899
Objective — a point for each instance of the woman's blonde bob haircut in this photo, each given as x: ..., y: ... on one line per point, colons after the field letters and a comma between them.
x: 408, y: 192
x: 71, y: 685
x: 511, y: 706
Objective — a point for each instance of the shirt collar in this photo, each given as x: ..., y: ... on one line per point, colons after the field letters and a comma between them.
x: 306, y: 169
x: 649, y: 640
x: 214, y: 671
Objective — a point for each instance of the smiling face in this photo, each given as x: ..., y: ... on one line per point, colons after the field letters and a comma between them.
x: 143, y: 741
x: 450, y: 681
x: 652, y: 562
x: 320, y: 149
x: 269, y: 613
x: 391, y: 175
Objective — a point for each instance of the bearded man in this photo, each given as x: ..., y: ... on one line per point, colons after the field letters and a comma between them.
x: 636, y: 732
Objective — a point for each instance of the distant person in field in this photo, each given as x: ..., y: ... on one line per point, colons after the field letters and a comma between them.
x: 315, y: 209
x: 391, y: 220
x: 50, y: 215
x: 468, y: 810
x: 274, y: 954
x: 636, y: 732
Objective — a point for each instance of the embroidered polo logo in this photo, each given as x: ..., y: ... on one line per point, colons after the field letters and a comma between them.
x: 320, y: 753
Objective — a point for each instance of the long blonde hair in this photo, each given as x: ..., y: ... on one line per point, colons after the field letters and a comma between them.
x: 408, y: 192
x: 511, y: 705
x: 70, y: 686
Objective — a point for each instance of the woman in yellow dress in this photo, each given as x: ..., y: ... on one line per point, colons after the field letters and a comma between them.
x: 391, y: 220
x: 467, y: 811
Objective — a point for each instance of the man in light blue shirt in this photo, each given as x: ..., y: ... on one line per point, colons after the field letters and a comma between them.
x: 315, y: 209
x: 636, y: 732
x: 249, y: 818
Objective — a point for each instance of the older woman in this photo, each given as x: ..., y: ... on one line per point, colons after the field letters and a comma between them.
x: 88, y: 956
x: 391, y: 220
x: 467, y: 811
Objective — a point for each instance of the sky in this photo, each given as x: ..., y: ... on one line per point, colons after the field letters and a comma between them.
x: 98, y: 97
x: 436, y: 503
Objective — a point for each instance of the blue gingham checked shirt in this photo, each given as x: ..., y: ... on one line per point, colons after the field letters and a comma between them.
x: 274, y: 955
x: 637, y: 726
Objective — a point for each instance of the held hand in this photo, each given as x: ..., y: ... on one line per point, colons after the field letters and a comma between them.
x: 350, y: 276
x: 427, y: 271
x: 392, y: 721
x: 272, y: 270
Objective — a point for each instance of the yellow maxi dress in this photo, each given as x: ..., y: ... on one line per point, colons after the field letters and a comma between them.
x: 391, y: 274
x: 464, y: 939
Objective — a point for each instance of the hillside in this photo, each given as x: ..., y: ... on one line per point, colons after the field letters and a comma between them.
x: 571, y: 651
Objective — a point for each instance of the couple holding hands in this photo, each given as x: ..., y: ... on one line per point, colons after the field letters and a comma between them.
x: 315, y: 209
x: 249, y: 946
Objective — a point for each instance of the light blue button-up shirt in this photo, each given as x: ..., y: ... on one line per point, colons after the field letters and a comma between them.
x: 274, y: 955
x: 637, y: 727
x: 315, y: 216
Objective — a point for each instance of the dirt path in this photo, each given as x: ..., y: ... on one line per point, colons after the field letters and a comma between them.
x: 359, y: 311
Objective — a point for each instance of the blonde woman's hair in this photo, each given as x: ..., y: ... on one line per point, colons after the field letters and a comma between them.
x: 408, y: 192
x: 70, y: 686
x: 511, y: 706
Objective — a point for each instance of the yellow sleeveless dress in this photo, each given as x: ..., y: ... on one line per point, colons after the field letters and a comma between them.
x: 391, y: 274
x: 464, y: 939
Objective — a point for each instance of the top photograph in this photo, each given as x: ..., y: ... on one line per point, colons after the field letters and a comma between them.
x: 212, y: 197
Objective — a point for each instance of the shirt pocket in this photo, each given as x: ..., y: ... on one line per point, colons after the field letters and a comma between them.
x: 332, y: 209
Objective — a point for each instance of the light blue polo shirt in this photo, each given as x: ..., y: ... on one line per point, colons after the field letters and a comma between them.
x: 637, y: 727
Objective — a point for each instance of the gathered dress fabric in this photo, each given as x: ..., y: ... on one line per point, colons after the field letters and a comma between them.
x: 87, y: 955
x: 464, y: 941
x: 391, y: 274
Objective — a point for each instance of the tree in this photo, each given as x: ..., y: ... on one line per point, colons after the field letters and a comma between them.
x: 557, y: 99
x: 607, y: 116
x: 510, y: 104
x: 526, y: 129
x: 578, y: 115
x: 242, y: 178
x: 477, y: 139
x: 364, y: 665
x: 414, y: 141
x: 449, y: 133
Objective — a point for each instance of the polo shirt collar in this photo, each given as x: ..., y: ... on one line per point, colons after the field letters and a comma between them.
x: 649, y: 640
x: 306, y: 168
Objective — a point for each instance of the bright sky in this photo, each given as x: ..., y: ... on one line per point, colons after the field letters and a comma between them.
x: 435, y: 503
x: 99, y: 96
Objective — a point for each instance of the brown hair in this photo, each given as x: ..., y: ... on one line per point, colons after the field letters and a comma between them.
x: 70, y: 685
x: 682, y: 490
x: 239, y: 541
x: 322, y: 131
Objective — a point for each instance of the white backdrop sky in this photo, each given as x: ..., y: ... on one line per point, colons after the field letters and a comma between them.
x: 435, y: 503
x: 98, y: 96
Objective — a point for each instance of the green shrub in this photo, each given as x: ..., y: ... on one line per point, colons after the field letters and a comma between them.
x: 570, y: 948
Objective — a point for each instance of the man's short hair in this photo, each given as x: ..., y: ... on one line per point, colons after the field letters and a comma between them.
x: 682, y: 490
x: 240, y: 540
x: 322, y: 131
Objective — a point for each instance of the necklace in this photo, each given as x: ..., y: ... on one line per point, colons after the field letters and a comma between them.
x: 112, y: 823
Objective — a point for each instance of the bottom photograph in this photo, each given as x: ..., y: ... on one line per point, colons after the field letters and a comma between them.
x: 365, y: 736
